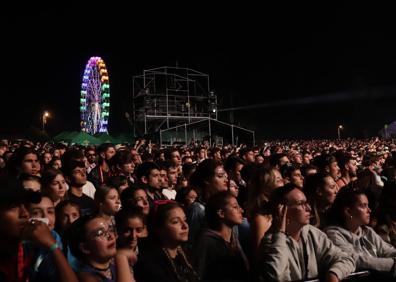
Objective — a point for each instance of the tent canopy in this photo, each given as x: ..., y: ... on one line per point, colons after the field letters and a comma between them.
x: 63, y: 136
x: 106, y: 138
x: 76, y: 137
x: 125, y: 138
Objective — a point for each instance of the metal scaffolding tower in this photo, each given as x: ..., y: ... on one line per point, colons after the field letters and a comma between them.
x: 164, y: 97
x: 175, y: 105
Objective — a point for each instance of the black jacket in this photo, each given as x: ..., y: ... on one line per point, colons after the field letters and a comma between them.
x: 153, y: 266
x: 217, y: 260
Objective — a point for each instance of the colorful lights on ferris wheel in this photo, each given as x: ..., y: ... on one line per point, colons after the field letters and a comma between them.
x: 95, y: 97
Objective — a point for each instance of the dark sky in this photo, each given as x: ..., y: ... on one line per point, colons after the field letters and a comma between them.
x: 342, y: 58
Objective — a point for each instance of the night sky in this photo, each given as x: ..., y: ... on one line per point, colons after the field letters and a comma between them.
x: 311, y: 68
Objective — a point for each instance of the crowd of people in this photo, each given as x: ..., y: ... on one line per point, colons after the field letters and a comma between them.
x: 280, y: 211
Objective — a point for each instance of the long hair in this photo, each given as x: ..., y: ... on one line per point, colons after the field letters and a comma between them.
x: 313, y: 184
x: 14, y: 163
x: 159, y: 215
x: 260, y: 189
x: 204, y: 173
x: 122, y: 216
x: 78, y: 235
x: 157, y: 220
x: 346, y: 198
x: 48, y: 176
x: 101, y: 193
x: 58, y: 212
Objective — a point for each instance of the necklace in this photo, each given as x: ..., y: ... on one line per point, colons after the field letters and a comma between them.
x: 106, y: 272
x: 185, y: 261
x: 100, y: 269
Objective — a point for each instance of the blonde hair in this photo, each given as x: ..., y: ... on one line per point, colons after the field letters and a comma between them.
x: 259, y: 191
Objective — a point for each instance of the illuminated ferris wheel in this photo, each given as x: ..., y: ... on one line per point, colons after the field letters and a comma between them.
x: 95, y: 97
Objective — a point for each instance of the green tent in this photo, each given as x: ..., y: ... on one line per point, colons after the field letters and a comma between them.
x: 64, y: 136
x: 106, y: 138
x: 125, y: 138
x: 84, y: 138
x: 77, y: 137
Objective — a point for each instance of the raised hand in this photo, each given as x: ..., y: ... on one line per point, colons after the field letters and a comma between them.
x: 280, y: 220
x: 38, y: 232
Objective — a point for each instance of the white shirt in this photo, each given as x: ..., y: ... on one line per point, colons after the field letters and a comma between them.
x: 89, y: 189
x: 169, y: 194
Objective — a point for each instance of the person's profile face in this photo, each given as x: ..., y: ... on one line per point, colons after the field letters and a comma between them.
x: 30, y: 165
x: 298, y: 209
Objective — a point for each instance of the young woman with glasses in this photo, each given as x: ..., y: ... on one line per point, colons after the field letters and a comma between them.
x: 93, y: 242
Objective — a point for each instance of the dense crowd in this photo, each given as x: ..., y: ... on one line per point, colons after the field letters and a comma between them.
x: 280, y: 211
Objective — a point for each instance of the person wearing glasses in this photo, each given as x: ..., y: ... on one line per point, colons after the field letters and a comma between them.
x: 93, y: 243
x: 294, y: 249
x: 90, y: 154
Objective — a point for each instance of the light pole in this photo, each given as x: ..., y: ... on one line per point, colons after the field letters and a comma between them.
x: 339, y: 128
x: 45, y: 116
x: 188, y: 105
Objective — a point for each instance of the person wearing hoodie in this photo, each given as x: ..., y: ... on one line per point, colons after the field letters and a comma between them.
x: 208, y: 179
x: 294, y: 249
x: 349, y: 231
x: 218, y: 255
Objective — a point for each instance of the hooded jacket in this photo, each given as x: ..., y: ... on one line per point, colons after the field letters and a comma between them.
x: 368, y: 248
x: 217, y: 260
x: 280, y: 259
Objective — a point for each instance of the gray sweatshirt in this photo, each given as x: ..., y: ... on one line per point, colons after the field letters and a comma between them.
x: 284, y: 259
x: 368, y: 248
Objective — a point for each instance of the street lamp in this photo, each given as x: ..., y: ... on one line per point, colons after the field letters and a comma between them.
x: 45, y: 116
x: 339, y: 128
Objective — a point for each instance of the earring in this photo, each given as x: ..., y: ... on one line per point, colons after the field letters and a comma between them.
x: 350, y: 217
